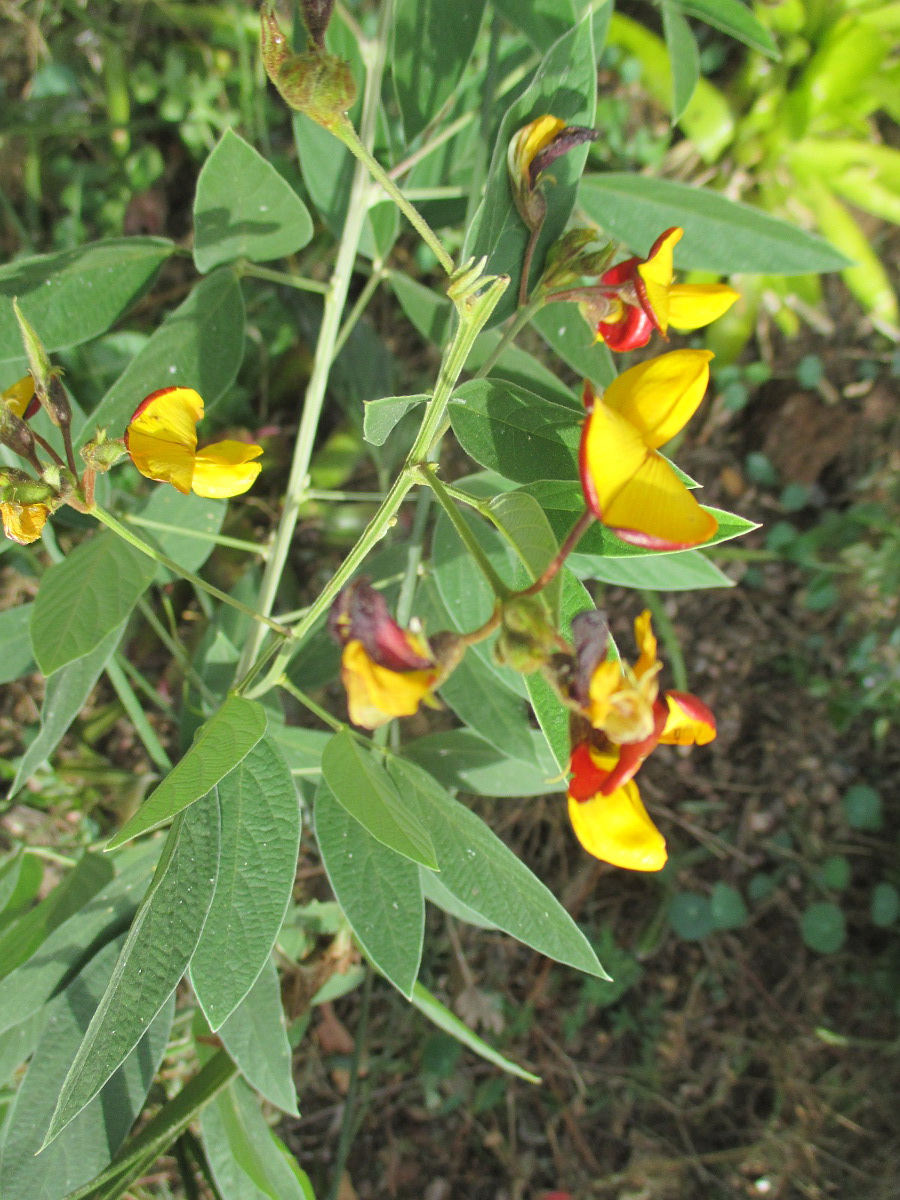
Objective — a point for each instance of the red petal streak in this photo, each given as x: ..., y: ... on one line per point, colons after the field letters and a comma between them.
x: 632, y: 756
x: 632, y: 332
x: 587, y: 777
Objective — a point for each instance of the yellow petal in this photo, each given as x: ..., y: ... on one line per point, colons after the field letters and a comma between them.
x: 606, y: 678
x: 618, y: 830
x: 225, y: 469
x: 636, y: 491
x: 531, y: 140
x: 659, y: 396
x: 689, y: 721
x: 23, y: 523
x: 20, y: 395
x: 656, y: 273
x: 646, y: 641
x: 692, y: 305
x: 162, y: 436
x: 374, y: 694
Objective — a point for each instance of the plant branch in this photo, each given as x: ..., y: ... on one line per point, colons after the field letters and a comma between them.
x: 501, y: 590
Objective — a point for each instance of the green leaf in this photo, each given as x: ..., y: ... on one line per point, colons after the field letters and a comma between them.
x: 522, y: 521
x: 510, y: 430
x: 441, y: 1016
x: 552, y: 714
x: 720, y: 235
x: 139, y: 1154
x: 255, y: 1037
x: 162, y: 938
x: 684, y: 56
x: 260, y: 821
x: 683, y: 571
x: 17, y: 1044
x: 70, y: 946
x: 567, y: 333
x: 565, y: 85
x: 885, y: 905
x: 92, y: 1138
x: 542, y: 21
x: 484, y: 874
x: 735, y: 18
x: 863, y: 808
x: 435, y: 893
x: 464, y: 598
x: 382, y: 415
x: 497, y: 715
x: 16, y: 658
x: 183, y: 526
x: 427, y: 310
x: 247, y: 1160
x: 17, y: 943
x: 75, y: 295
x: 200, y: 345
x: 302, y: 748
x: 244, y: 209
x: 728, y: 908
x: 378, y: 890
x: 10, y: 870
x: 65, y: 695
x: 429, y: 51
x: 82, y: 598
x: 823, y: 928
x: 465, y: 761
x: 362, y: 786
x: 690, y: 915
x: 220, y: 744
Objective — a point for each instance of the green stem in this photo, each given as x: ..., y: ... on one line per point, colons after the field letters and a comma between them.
x: 669, y: 638
x: 316, y: 709
x: 300, y: 282
x: 135, y: 711
x: 378, y: 275
x: 110, y: 522
x: 178, y: 652
x: 343, y: 129
x: 518, y: 323
x: 335, y: 300
x: 576, y: 533
x: 500, y: 589
x: 199, y: 535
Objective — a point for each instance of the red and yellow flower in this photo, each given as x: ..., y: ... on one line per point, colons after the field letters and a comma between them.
x: 162, y: 441
x: 639, y: 295
x: 627, y: 484
x: 386, y: 671
x: 628, y: 719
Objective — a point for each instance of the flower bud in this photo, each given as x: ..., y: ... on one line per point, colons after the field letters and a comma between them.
x: 316, y: 15
x: 527, y: 640
x: 316, y: 83
x: 57, y: 402
x: 38, y: 360
x: 15, y: 434
x: 103, y: 452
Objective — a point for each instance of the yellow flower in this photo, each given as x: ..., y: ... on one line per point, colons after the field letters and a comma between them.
x: 162, y: 441
x: 627, y: 484
x: 640, y: 295
x: 23, y: 523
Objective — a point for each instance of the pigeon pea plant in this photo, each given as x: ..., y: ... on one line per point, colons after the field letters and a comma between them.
x: 480, y: 610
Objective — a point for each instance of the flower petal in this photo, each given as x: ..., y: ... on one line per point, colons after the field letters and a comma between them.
x: 375, y: 694
x: 692, y: 305
x: 225, y: 469
x: 688, y: 722
x: 633, y: 490
x: 659, y: 396
x: 632, y: 330
x: 654, y: 278
x: 21, y: 398
x: 529, y: 141
x: 23, y: 523
x: 618, y: 830
x: 162, y: 437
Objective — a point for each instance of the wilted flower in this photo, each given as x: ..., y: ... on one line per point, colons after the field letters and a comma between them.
x: 531, y: 150
x: 162, y: 441
x: 387, y: 671
x: 627, y: 484
x: 638, y: 295
x: 23, y: 506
